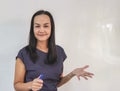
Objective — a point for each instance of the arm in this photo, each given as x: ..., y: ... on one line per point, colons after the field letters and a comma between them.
x: 65, y: 79
x: 19, y: 84
x: 76, y: 72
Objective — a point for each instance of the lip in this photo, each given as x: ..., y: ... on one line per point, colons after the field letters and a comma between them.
x: 41, y: 34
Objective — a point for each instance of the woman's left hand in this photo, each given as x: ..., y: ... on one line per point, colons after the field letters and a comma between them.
x: 81, y: 72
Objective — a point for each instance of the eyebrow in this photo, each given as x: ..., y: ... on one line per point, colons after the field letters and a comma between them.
x: 44, y: 24
x: 37, y: 23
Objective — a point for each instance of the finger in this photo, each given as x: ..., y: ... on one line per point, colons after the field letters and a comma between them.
x: 78, y: 77
x: 37, y: 87
x: 37, y: 84
x: 39, y: 80
x: 34, y: 90
x: 89, y: 76
x: 85, y: 77
x: 88, y: 73
x: 86, y: 66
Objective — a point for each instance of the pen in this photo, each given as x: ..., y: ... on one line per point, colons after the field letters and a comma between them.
x: 41, y: 76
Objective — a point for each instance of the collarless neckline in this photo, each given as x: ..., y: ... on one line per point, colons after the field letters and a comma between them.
x: 41, y: 51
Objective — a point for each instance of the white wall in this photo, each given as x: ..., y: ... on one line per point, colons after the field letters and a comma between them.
x: 87, y: 29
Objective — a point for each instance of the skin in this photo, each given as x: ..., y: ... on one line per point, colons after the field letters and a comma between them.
x: 78, y: 72
x: 42, y: 31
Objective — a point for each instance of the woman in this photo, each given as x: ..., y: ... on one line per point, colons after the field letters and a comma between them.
x: 43, y: 57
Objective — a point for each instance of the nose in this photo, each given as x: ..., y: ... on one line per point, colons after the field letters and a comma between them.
x: 41, y: 29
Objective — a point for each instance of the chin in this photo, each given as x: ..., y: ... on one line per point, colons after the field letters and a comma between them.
x: 42, y: 40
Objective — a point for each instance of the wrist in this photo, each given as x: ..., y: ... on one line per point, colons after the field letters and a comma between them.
x: 72, y: 74
x: 30, y: 86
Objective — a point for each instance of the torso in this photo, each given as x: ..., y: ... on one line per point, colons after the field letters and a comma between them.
x: 51, y: 73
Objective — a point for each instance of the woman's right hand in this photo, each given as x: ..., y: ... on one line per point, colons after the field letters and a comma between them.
x: 37, y: 84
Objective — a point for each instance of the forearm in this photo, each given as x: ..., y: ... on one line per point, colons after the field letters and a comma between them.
x: 19, y: 86
x: 65, y: 79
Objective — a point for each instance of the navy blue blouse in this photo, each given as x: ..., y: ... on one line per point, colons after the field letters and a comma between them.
x: 51, y: 73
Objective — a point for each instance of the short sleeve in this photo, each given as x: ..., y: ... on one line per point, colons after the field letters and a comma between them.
x: 61, y: 53
x: 20, y: 54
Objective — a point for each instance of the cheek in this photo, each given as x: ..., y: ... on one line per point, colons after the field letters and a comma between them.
x: 49, y: 33
x: 35, y: 32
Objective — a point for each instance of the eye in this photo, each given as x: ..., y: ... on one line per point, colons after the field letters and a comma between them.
x: 37, y: 26
x: 46, y: 26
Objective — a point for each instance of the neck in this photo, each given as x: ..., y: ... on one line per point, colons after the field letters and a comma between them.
x: 42, y: 45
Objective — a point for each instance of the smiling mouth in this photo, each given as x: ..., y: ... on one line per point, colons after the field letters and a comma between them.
x: 42, y: 34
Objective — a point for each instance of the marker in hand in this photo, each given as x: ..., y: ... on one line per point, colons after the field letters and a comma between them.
x: 41, y: 76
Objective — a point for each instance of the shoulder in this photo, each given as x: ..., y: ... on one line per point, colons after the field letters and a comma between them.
x: 61, y: 53
x: 22, y: 54
x: 23, y: 50
x: 58, y: 47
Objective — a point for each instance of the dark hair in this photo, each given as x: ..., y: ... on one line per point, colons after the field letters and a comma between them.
x: 31, y: 48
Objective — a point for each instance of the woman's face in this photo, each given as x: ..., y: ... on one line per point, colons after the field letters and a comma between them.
x: 42, y: 27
